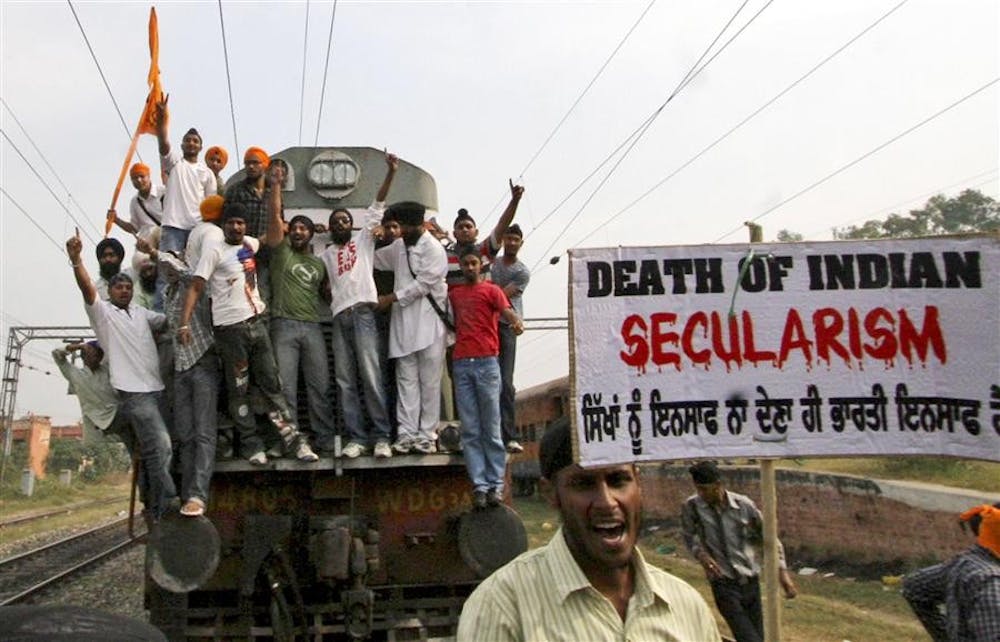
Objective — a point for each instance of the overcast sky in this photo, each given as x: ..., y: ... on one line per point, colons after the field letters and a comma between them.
x: 470, y: 91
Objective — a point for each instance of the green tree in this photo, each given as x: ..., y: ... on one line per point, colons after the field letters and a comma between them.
x: 970, y: 211
x: 788, y: 236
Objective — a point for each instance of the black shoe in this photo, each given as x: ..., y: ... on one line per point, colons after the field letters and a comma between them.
x: 493, y: 497
x: 479, y: 500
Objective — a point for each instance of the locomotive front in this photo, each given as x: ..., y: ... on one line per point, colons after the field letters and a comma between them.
x: 340, y: 548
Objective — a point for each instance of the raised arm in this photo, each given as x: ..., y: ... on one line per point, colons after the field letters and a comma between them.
x: 125, y: 225
x: 275, y: 224
x: 74, y: 246
x: 392, y: 164
x: 162, y: 126
x: 516, y: 192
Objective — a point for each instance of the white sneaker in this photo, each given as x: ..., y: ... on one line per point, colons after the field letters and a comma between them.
x: 258, y: 458
x: 305, y: 453
x: 514, y: 447
x: 353, y: 450
x: 382, y: 449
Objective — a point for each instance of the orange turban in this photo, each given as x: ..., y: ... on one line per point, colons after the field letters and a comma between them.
x: 220, y: 152
x: 259, y: 154
x: 211, y: 208
x: 138, y: 170
x: 989, y: 527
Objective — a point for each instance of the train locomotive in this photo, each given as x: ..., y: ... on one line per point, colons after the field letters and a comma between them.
x: 341, y: 548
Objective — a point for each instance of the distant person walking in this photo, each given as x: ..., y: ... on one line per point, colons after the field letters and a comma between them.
x: 723, y: 531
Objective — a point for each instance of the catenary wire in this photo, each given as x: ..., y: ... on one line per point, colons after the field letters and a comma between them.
x: 46, y: 185
x: 744, y: 121
x: 919, y: 197
x: 45, y: 160
x: 302, y: 92
x: 555, y: 130
x: 33, y: 221
x: 229, y: 81
x: 128, y: 133
x: 635, y: 132
x: 326, y: 69
x: 692, y: 73
x: 872, y: 151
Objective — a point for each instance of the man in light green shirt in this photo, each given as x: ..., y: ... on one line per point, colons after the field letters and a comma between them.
x: 590, y: 582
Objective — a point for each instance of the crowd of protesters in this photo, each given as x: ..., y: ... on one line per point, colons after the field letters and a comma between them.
x: 222, y: 310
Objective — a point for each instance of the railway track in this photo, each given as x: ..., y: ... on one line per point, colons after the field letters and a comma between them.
x: 26, y: 574
x: 65, y: 510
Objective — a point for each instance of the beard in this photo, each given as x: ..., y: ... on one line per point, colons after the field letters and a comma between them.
x: 147, y: 282
x: 340, y: 237
x: 108, y: 270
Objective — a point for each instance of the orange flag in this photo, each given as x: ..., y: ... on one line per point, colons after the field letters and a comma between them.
x: 147, y: 122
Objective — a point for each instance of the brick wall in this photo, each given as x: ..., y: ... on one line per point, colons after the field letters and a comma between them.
x: 826, y: 519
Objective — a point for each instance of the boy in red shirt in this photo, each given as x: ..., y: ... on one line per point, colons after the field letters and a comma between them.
x: 477, y: 306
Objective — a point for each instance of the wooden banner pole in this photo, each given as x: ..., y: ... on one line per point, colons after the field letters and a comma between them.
x: 771, y: 588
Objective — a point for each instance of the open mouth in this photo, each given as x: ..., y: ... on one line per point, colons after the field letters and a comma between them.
x: 611, y: 533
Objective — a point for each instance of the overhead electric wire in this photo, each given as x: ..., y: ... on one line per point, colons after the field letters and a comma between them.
x: 51, y: 191
x: 302, y: 93
x: 326, y: 70
x: 229, y: 81
x: 576, y: 102
x: 921, y: 197
x: 745, y: 120
x: 692, y: 73
x: 44, y: 160
x: 857, y: 160
x: 33, y: 221
x: 128, y: 132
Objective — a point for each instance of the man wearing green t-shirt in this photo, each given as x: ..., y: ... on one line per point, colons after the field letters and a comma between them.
x: 297, y: 280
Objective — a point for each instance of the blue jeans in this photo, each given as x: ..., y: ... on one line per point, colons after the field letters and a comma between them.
x: 508, y: 352
x: 477, y: 394
x: 296, y: 341
x: 142, y: 411
x: 172, y: 239
x: 355, y: 356
x: 245, y: 350
x: 196, y: 397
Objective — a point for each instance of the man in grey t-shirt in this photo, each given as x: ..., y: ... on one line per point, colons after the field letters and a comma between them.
x: 512, y: 275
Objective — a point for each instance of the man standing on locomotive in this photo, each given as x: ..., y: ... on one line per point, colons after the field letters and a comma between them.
x: 417, y: 332
x: 241, y: 335
x: 126, y: 332
x: 298, y: 278
x: 512, y: 275
x: 252, y: 193
x: 189, y: 181
x: 478, y: 306
x: 355, y: 333
x: 590, y: 582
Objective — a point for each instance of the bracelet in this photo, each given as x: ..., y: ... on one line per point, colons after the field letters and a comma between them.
x: 184, y: 327
x: 76, y: 265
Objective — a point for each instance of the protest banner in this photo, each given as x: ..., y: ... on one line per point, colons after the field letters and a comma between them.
x: 887, y: 347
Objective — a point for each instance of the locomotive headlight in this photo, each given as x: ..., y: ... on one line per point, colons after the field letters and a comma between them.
x: 321, y: 174
x: 333, y: 173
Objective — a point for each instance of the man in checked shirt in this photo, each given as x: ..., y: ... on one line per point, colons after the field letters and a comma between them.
x: 968, y: 585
